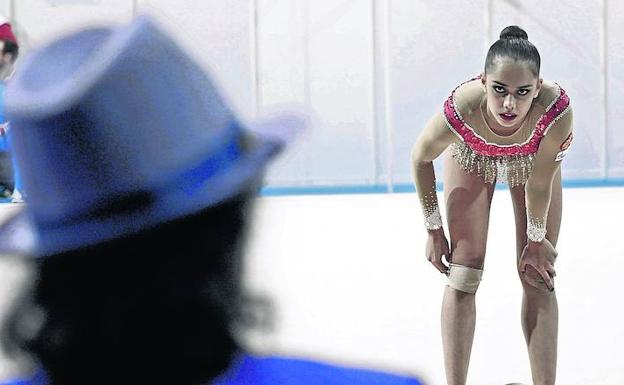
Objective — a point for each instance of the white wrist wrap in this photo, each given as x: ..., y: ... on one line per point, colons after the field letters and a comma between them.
x: 536, y: 229
x: 433, y: 221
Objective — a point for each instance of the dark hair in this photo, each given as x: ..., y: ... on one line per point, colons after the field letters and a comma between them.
x: 12, y: 48
x: 154, y: 308
x: 513, y: 43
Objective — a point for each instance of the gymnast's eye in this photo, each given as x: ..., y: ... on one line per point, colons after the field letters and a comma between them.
x: 523, y: 92
x: 499, y: 89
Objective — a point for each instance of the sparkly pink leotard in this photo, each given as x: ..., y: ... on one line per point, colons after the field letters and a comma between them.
x: 511, y: 163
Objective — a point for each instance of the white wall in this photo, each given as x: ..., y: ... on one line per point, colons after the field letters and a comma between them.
x: 615, y: 81
x: 318, y: 53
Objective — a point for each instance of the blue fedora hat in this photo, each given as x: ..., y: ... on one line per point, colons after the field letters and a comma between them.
x: 116, y: 130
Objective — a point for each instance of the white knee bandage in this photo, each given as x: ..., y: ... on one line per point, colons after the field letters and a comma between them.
x: 464, y: 278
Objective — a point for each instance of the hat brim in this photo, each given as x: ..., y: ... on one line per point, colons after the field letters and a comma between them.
x: 21, y: 236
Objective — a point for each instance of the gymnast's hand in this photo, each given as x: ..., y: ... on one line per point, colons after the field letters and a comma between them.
x: 437, y: 246
x: 539, y: 257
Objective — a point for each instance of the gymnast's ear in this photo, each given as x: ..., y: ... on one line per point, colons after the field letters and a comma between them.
x: 538, y: 88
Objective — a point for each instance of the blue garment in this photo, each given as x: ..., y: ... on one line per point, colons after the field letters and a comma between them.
x: 250, y: 370
x: 4, y: 145
x: 39, y: 378
x: 5, y: 141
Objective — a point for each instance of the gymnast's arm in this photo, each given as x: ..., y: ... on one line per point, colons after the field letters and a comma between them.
x: 538, y: 188
x: 434, y: 139
x: 539, y: 252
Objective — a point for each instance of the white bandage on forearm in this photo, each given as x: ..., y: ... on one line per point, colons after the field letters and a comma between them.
x: 464, y: 278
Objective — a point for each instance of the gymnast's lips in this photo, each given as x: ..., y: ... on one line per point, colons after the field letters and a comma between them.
x: 508, y: 117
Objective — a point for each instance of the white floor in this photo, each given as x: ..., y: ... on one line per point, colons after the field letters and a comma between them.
x: 351, y: 285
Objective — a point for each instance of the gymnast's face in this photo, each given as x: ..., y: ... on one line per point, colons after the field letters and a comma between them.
x: 510, y: 89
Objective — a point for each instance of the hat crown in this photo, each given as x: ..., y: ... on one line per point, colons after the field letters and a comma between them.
x: 117, y: 130
x: 105, y: 113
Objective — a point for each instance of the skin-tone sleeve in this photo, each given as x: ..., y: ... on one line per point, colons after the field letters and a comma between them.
x: 552, y: 149
x: 433, y: 140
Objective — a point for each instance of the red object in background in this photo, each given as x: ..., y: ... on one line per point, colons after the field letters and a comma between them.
x: 6, y: 33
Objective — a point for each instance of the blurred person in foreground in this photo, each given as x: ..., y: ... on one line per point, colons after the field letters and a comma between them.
x: 140, y: 182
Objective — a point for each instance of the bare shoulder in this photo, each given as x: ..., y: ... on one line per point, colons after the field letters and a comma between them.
x: 563, y: 126
x: 437, y: 129
x: 468, y: 97
x: 433, y: 140
x: 558, y: 121
x: 548, y: 94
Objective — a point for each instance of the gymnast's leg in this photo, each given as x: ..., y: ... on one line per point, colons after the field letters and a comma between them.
x: 540, y: 314
x: 468, y: 200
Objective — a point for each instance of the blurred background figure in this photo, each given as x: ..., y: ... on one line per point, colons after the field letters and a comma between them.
x: 140, y: 182
x: 10, y: 182
x: 10, y: 49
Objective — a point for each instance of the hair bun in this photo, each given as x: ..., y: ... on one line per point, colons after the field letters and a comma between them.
x: 513, y: 32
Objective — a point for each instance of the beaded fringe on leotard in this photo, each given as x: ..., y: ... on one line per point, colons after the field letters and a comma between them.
x: 511, y: 169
